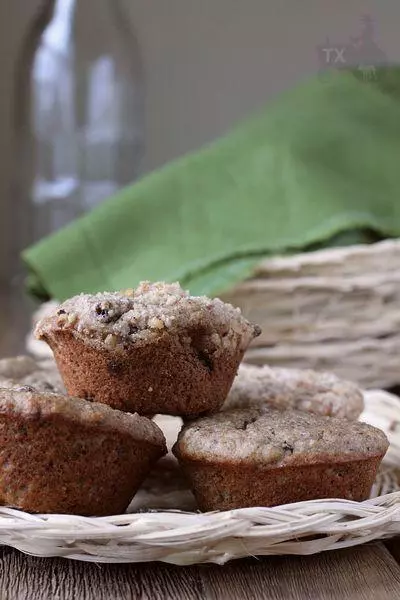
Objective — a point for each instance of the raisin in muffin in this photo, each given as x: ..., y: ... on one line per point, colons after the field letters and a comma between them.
x: 155, y: 349
x: 267, y: 457
x: 305, y: 390
x: 66, y: 455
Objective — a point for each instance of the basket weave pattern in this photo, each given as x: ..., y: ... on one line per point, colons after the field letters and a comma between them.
x: 333, y: 310
x: 184, y: 538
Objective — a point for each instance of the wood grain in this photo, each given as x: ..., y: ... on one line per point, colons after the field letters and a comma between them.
x: 363, y: 573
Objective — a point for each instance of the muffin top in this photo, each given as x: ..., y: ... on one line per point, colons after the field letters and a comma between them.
x: 306, y: 390
x: 143, y: 314
x: 27, y: 403
x: 270, y: 436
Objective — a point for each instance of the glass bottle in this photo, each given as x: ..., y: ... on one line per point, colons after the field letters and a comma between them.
x: 78, y: 133
x: 79, y: 113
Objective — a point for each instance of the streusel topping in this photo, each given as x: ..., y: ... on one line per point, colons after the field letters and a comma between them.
x: 28, y: 403
x: 301, y: 389
x: 115, y: 318
x: 267, y: 435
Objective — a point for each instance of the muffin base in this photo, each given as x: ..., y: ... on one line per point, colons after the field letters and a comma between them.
x: 223, y: 486
x: 163, y: 377
x: 54, y: 466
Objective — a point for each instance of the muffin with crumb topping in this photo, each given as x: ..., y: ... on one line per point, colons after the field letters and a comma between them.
x: 267, y: 457
x: 311, y: 391
x: 153, y: 349
x: 66, y: 455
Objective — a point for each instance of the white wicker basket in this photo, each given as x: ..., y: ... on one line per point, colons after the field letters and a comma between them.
x: 184, y: 538
x: 335, y: 310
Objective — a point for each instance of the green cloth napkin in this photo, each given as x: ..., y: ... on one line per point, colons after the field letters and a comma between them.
x: 321, y: 159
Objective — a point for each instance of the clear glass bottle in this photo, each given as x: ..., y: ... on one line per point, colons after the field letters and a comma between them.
x: 78, y: 132
x: 82, y: 136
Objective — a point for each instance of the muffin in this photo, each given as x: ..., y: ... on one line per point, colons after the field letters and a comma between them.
x: 66, y: 455
x: 268, y: 457
x: 305, y: 390
x: 24, y: 370
x: 155, y: 349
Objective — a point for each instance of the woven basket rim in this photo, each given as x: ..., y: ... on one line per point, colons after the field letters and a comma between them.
x: 185, y: 538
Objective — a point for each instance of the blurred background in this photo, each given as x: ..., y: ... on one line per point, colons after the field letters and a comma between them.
x: 206, y: 64
x: 195, y: 70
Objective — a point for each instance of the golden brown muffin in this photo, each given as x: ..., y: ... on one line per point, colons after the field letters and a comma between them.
x: 305, y: 390
x: 66, y: 455
x: 267, y: 457
x: 152, y: 350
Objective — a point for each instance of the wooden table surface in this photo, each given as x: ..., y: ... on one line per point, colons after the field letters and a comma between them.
x: 369, y: 572
x: 364, y: 573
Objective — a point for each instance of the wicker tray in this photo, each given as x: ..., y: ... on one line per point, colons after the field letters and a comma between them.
x: 175, y: 533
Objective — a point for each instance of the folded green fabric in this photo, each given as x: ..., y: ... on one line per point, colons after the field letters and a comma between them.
x: 322, y: 159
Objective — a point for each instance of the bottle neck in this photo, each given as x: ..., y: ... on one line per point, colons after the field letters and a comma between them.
x: 67, y: 14
x: 58, y: 31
